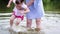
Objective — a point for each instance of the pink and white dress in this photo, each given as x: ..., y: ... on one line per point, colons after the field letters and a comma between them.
x: 17, y: 13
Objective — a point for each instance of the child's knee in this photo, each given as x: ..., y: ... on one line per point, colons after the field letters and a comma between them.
x: 18, y: 20
x: 11, y: 19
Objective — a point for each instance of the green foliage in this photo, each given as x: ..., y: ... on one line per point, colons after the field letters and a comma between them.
x: 49, y: 5
x: 56, y: 4
x: 3, y: 8
x: 3, y: 4
x: 52, y: 5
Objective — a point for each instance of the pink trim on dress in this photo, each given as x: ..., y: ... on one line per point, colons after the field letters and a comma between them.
x: 22, y: 17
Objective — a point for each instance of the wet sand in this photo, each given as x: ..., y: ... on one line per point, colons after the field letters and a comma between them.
x: 50, y: 24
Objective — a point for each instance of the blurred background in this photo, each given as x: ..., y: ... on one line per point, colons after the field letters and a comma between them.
x: 50, y: 22
x: 49, y: 5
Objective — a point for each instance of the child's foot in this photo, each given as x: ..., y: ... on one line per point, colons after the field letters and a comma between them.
x: 37, y: 29
x: 17, y: 24
x: 9, y: 28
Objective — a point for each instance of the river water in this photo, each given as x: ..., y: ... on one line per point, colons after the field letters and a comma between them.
x: 50, y: 23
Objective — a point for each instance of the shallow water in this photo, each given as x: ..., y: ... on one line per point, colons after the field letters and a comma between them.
x: 50, y: 23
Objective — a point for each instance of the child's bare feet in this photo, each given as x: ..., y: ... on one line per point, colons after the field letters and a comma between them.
x: 37, y: 29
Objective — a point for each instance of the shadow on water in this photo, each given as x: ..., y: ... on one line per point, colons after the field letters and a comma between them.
x: 50, y: 23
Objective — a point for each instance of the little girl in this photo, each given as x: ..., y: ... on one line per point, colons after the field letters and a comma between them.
x: 18, y: 12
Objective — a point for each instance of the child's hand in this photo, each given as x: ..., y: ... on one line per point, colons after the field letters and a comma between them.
x: 8, y: 6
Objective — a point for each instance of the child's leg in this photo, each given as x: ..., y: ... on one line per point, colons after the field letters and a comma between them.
x: 38, y: 21
x: 29, y: 23
x: 18, y: 21
x: 11, y: 20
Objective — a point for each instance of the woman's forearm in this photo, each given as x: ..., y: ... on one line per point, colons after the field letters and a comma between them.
x: 30, y: 3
